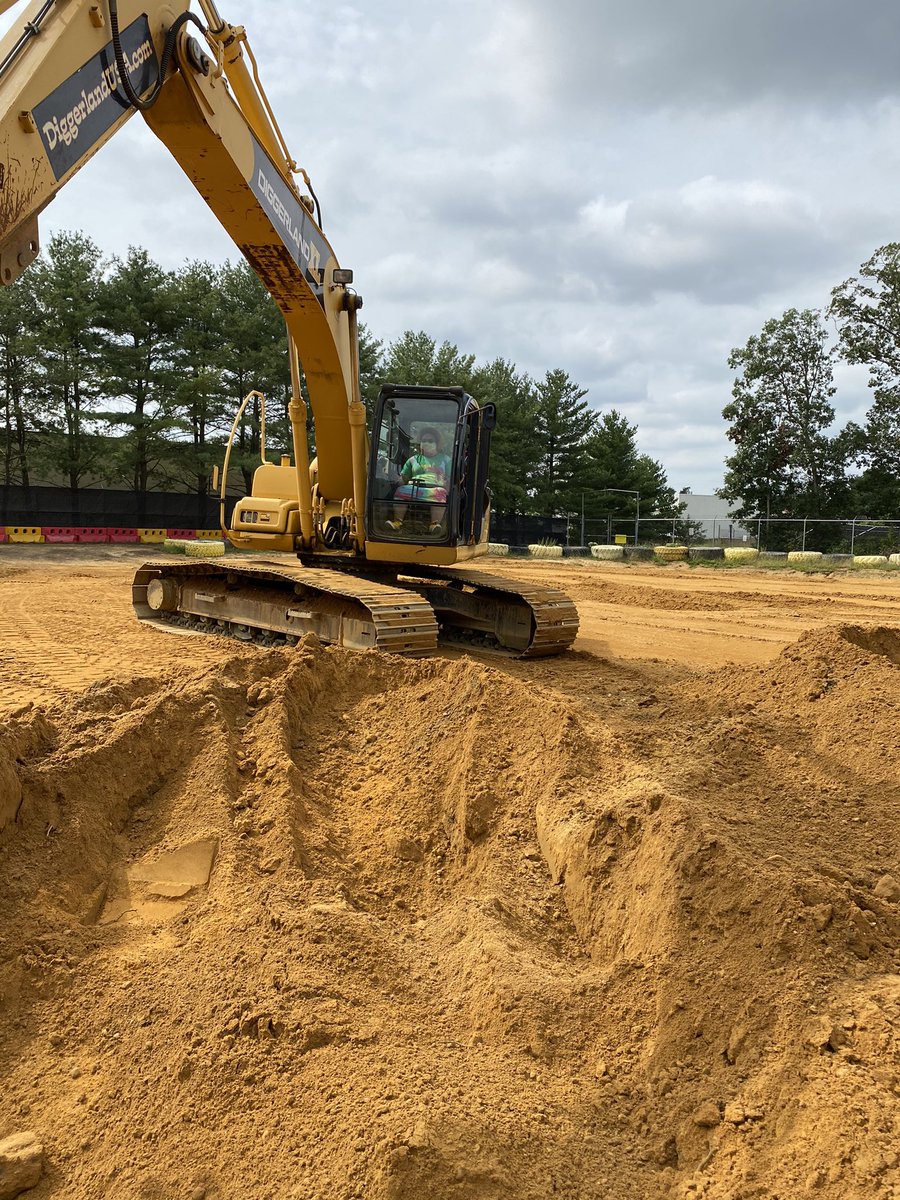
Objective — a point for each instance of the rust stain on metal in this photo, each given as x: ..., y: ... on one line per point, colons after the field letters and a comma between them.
x: 19, y: 186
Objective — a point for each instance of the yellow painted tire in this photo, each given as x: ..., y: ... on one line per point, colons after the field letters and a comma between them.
x: 204, y: 549
x: 671, y: 553
x: 740, y: 554
x: 804, y: 556
x: 869, y: 560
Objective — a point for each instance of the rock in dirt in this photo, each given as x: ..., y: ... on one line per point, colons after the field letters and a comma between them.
x: 21, y: 1163
x: 180, y: 871
x: 887, y: 888
x: 707, y: 1115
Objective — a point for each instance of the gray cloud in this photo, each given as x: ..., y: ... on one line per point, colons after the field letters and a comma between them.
x: 715, y: 53
x: 623, y: 191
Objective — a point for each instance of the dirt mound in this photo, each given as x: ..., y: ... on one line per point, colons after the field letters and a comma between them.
x: 314, y: 925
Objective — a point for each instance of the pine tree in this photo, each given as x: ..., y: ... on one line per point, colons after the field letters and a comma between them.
x: 416, y: 358
x: 21, y: 409
x: 199, y: 361
x: 138, y: 312
x: 515, y: 449
x: 563, y: 423
x: 67, y: 346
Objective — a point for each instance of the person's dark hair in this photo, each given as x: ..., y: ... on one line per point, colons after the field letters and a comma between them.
x: 430, y: 432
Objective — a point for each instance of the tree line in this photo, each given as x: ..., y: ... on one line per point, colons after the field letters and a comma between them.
x: 120, y: 373
x: 789, y: 458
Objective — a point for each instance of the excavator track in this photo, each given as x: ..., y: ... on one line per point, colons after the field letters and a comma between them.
x: 497, y: 614
x: 274, y: 600
x: 284, y: 600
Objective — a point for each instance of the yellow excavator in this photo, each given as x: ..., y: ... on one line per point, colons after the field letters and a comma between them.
x: 359, y: 544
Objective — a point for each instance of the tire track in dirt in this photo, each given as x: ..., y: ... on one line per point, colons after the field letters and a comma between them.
x: 65, y: 631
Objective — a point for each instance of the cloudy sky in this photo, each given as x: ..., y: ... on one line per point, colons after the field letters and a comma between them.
x: 625, y: 191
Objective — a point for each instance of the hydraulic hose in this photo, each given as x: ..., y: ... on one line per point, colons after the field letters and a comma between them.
x: 168, y: 50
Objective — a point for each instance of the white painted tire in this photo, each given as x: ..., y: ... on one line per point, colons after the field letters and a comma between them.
x: 607, y: 553
x: 498, y: 549
x: 895, y: 558
x: 538, y: 551
x: 869, y: 560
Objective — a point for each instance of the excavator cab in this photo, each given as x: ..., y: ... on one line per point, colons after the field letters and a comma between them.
x: 428, y: 467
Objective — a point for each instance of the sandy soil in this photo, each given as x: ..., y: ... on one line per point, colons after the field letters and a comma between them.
x: 624, y: 923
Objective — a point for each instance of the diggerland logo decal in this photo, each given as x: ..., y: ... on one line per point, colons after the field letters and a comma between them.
x: 292, y: 223
x: 73, y: 118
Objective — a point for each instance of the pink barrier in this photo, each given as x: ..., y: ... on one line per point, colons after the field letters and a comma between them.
x: 60, y: 533
x: 183, y: 535
x: 2, y: 536
x: 93, y: 535
x: 123, y: 535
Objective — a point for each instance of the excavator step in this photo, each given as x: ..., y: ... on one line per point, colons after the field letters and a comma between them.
x: 285, y: 600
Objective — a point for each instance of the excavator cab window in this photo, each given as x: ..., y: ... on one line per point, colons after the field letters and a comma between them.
x: 417, y: 473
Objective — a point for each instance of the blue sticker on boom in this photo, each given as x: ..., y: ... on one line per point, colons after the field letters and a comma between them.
x: 75, y: 116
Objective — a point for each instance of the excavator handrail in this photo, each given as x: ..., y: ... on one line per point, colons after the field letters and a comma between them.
x: 234, y: 428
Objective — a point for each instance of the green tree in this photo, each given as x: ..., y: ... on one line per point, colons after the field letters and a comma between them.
x: 371, y: 369
x: 784, y: 462
x: 867, y: 311
x: 416, y: 358
x: 620, y: 482
x: 67, y: 346
x: 515, y: 450
x: 563, y: 423
x: 200, y: 390
x: 20, y: 411
x: 138, y: 311
x: 614, y: 465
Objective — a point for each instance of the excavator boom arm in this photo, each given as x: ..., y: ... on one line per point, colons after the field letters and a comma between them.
x: 62, y: 97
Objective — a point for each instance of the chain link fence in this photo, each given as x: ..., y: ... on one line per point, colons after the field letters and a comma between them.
x: 844, y: 535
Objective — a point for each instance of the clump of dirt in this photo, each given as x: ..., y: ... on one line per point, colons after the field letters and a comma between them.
x: 317, y: 924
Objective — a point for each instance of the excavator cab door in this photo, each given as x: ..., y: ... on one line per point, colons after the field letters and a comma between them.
x: 428, y: 467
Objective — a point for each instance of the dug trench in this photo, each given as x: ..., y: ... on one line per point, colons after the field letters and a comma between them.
x: 315, y: 924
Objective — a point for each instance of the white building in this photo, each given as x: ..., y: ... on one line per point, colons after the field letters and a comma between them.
x: 716, y: 517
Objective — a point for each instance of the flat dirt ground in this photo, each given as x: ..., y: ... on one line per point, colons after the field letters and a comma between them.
x: 311, y: 924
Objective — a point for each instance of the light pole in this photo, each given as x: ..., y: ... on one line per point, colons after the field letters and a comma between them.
x: 637, y: 508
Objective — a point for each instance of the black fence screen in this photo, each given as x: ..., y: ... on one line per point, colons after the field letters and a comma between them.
x: 102, y: 509
x: 516, y: 530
